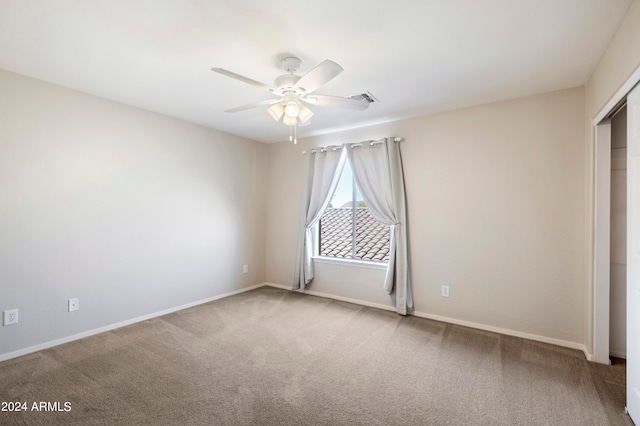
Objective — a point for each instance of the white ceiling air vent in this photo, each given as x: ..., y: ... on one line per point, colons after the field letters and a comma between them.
x: 366, y: 96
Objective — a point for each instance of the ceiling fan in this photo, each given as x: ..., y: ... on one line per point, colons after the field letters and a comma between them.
x: 294, y: 91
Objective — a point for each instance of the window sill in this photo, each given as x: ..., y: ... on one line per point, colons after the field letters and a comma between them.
x: 350, y: 262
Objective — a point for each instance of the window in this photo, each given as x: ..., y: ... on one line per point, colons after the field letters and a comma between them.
x: 351, y: 233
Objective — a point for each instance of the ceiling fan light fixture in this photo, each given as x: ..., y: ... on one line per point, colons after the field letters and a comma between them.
x: 305, y: 114
x: 292, y: 109
x: 290, y: 121
x: 276, y: 111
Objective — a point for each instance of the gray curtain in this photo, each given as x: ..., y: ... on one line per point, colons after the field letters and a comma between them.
x: 378, y: 173
x: 324, y: 167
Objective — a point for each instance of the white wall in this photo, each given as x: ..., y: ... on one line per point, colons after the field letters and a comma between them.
x: 129, y: 211
x: 496, y: 196
x: 618, y: 63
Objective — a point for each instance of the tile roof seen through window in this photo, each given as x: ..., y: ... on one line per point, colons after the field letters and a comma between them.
x: 372, y: 238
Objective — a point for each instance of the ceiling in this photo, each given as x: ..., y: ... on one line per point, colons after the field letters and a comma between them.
x: 415, y: 56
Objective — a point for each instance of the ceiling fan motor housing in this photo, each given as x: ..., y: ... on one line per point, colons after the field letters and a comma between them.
x: 286, y: 83
x: 290, y: 64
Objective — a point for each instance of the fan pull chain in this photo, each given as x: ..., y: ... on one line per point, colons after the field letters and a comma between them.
x: 293, y: 133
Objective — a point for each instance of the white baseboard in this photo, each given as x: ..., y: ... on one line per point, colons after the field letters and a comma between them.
x: 67, y: 339
x: 618, y: 354
x: 283, y: 287
x: 499, y: 330
x: 333, y: 296
x: 505, y: 331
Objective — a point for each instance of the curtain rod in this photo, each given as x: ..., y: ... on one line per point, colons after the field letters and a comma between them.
x: 371, y: 142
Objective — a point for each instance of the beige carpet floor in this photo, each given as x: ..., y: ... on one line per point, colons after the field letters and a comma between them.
x: 273, y: 357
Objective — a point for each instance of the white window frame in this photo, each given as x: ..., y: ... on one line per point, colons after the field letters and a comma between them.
x: 368, y: 264
x: 352, y: 261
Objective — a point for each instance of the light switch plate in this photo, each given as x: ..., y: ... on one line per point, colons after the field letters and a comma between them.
x: 445, y: 291
x: 74, y: 304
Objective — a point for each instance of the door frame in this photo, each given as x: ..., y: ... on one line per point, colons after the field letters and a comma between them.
x: 601, y: 210
x: 602, y: 242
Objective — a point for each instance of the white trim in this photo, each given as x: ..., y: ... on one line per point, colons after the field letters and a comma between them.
x: 499, y: 330
x: 67, y: 339
x: 335, y: 297
x: 601, y: 243
x: 351, y: 262
x: 507, y: 332
x: 617, y: 354
x: 601, y: 345
x: 282, y: 287
x: 621, y: 93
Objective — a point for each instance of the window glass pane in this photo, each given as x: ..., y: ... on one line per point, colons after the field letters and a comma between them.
x: 372, y: 237
x: 336, y: 223
x: 344, y: 191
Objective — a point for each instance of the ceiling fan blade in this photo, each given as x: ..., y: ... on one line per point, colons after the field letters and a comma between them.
x: 254, y: 105
x: 243, y: 79
x: 336, y: 101
x: 319, y: 76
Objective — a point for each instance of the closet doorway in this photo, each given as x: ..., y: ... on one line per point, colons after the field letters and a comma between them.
x: 629, y: 95
x: 618, y: 240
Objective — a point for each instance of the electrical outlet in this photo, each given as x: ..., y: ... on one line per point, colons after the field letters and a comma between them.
x: 445, y: 291
x: 74, y: 304
x: 245, y: 269
x: 10, y: 317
